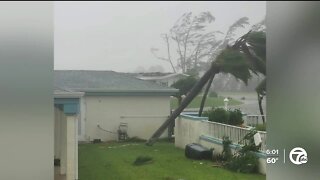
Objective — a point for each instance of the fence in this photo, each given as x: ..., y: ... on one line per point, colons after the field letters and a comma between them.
x: 235, y: 134
x: 192, y: 129
x: 254, y: 120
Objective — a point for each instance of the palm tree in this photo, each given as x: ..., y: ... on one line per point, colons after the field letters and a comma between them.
x: 255, y: 48
x: 221, y: 45
x: 230, y: 60
x: 261, y: 92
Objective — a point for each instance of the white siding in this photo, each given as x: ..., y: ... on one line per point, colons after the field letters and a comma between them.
x: 58, y: 117
x: 144, y: 114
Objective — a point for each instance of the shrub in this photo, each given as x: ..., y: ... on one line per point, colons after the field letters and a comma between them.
x: 235, y: 117
x: 184, y: 85
x: 217, y: 115
x: 220, y: 115
x: 245, y: 163
x: 226, y: 153
x: 213, y: 94
x: 244, y: 160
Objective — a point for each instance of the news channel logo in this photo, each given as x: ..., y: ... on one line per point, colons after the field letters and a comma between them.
x: 298, y: 156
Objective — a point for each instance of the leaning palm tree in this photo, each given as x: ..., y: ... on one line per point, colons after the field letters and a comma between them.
x: 255, y: 48
x: 257, y: 43
x: 217, y: 48
x: 230, y: 60
x: 261, y: 92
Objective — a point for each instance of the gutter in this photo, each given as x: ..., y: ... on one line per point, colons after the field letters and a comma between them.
x: 68, y: 94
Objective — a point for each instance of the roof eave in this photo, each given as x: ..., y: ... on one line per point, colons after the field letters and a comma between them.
x: 131, y: 92
x: 68, y: 94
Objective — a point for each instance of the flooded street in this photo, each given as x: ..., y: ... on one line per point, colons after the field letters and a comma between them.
x: 250, y: 102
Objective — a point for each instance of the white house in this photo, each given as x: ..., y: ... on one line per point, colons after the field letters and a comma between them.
x: 164, y: 79
x: 91, y: 105
x: 111, y: 98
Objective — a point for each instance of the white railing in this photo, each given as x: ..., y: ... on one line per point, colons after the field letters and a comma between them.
x: 235, y: 134
x: 254, y: 120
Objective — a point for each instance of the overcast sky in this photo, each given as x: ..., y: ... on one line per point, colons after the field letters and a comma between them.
x: 118, y: 35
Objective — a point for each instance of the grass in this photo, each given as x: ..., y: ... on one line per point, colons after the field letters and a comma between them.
x: 210, y: 102
x: 114, y: 161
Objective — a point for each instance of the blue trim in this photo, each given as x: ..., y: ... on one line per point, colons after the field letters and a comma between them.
x: 71, y: 109
x: 70, y: 105
x: 66, y: 100
x: 193, y: 116
x: 232, y: 146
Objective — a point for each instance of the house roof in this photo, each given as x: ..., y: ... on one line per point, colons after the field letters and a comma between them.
x: 110, y: 82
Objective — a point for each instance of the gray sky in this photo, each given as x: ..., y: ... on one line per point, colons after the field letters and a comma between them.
x: 118, y: 35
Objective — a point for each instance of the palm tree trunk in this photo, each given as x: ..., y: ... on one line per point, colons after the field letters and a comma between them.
x: 204, y: 97
x: 179, y: 100
x: 260, y: 108
x: 185, y: 102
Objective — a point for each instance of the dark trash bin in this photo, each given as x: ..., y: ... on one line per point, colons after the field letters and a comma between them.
x: 197, y: 151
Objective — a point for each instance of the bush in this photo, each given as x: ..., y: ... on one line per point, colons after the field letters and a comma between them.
x: 226, y: 153
x: 245, y: 163
x: 213, y: 94
x: 220, y: 115
x: 184, y: 85
x: 235, y: 117
x: 244, y: 160
x: 217, y: 115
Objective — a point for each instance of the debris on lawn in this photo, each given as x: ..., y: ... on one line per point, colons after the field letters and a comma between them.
x: 141, y: 160
x: 220, y: 165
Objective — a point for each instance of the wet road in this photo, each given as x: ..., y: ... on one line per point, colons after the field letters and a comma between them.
x: 249, y: 106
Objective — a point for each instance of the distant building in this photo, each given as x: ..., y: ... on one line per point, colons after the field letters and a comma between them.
x: 164, y: 79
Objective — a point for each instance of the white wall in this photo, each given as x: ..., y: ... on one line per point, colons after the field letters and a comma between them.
x: 65, y: 143
x: 144, y: 114
x: 58, y: 117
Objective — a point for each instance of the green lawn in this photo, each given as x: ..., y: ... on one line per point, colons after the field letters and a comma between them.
x: 113, y: 161
x: 210, y: 102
